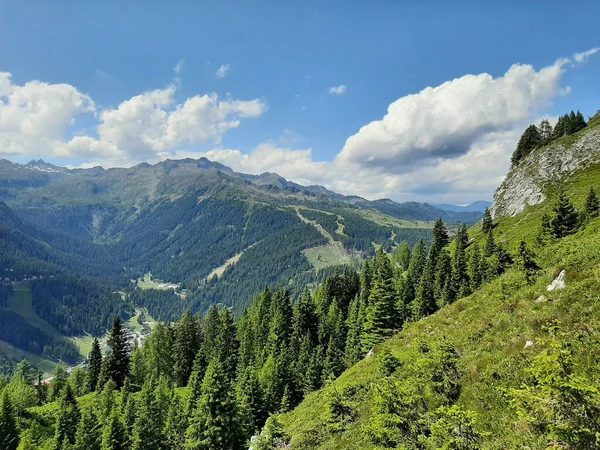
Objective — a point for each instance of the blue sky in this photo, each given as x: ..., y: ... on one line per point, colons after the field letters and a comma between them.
x: 272, y: 110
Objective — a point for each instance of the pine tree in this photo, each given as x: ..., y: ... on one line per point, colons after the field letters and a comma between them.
x: 185, y: 348
x: 381, y: 314
x: 414, y: 273
x: 147, y: 427
x: 138, y: 371
x: 113, y: 433
x: 9, y: 432
x: 129, y: 412
x: 476, y: 274
x: 527, y: 263
x: 160, y: 356
x: 250, y: 402
x: 443, y: 276
x: 117, y: 363
x: 175, y: 426
x: 401, y: 255
x: 530, y: 139
x: 566, y: 219
x: 88, y: 436
x: 59, y: 381
x: 545, y: 130
x: 592, y: 206
x: 94, y: 366
x: 365, y: 282
x: 425, y: 303
x: 440, y: 240
x: 354, y: 325
x: 105, y: 400
x: 227, y: 345
x: 215, y: 423
x: 67, y: 419
x: 487, y: 223
x: 490, y: 244
x: 460, y: 285
x: 334, y: 357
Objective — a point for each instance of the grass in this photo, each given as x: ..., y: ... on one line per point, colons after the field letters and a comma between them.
x: 332, y: 254
x: 15, y: 354
x: 83, y: 343
x: 489, y: 329
x: 148, y: 283
x: 20, y: 302
x: 385, y: 220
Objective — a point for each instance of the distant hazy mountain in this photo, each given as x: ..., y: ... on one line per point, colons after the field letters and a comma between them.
x: 478, y: 206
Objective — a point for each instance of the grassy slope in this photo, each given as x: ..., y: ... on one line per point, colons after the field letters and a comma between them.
x: 489, y: 329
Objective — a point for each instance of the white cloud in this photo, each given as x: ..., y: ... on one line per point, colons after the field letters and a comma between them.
x: 445, y: 121
x: 179, y: 67
x: 222, y: 71
x: 34, y: 119
x: 584, y: 56
x: 338, y: 90
x: 35, y: 114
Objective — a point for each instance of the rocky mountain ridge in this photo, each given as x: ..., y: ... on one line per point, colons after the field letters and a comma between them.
x: 527, y: 182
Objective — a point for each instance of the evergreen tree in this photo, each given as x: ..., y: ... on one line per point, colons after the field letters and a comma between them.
x: 527, y: 263
x: 117, y: 363
x: 113, y: 433
x: 381, y: 314
x: 476, y: 273
x: 440, y: 240
x: 185, y: 348
x: 227, y: 345
x: 88, y: 436
x: 59, y: 381
x: 105, y: 400
x: 159, y: 352
x: 175, y: 426
x: 490, y: 244
x: 354, y: 325
x: 195, y: 383
x: 566, y: 219
x: 9, y: 432
x: 401, y: 255
x: 545, y: 130
x: 94, y: 366
x: 530, y: 139
x: 334, y: 357
x: 365, y: 282
x: 460, y: 285
x: 138, y: 371
x: 215, y: 423
x: 414, y: 273
x: 67, y: 419
x: 129, y: 413
x: 443, y: 277
x: 425, y: 303
x: 487, y: 223
x: 592, y: 206
x: 147, y: 427
x: 250, y: 402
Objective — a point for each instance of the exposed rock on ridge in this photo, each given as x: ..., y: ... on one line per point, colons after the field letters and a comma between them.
x: 524, y: 183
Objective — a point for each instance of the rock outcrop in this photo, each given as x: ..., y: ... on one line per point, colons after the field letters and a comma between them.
x: 524, y: 184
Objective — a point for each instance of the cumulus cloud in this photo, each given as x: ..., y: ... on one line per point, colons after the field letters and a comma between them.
x: 34, y: 119
x: 222, y: 71
x: 444, y: 121
x: 337, y: 90
x: 35, y: 114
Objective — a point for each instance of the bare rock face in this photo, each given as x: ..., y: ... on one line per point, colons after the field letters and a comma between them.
x: 523, y: 185
x: 558, y: 283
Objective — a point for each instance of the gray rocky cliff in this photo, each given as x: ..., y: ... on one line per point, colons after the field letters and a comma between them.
x: 524, y: 183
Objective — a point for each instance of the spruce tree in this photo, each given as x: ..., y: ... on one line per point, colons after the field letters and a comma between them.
x: 487, y: 223
x: 334, y: 357
x: 195, y: 383
x: 215, y: 423
x: 117, y: 363
x: 67, y: 419
x: 113, y: 433
x: 529, y: 140
x: 185, y: 348
x: 9, y: 432
x: 425, y: 303
x: 545, y: 130
x: 381, y: 314
x: 175, y: 426
x: 227, y: 345
x: 460, y: 286
x: 250, y: 402
x: 414, y: 273
x: 88, y: 436
x: 354, y: 325
x: 592, y: 206
x: 490, y: 244
x: 147, y: 427
x: 94, y: 366
x: 443, y: 276
x: 440, y: 240
x: 527, y: 263
x: 476, y: 274
x: 566, y: 219
x: 401, y: 255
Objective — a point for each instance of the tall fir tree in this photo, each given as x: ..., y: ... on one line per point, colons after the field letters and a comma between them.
x: 175, y: 426
x: 185, y: 348
x: 382, y: 317
x: 117, y: 362
x: 9, y: 432
x: 566, y: 218
x: 414, y: 273
x: 215, y: 423
x: 490, y: 244
x: 476, y: 273
x: 592, y: 205
x: 113, y: 433
x: 250, y: 403
x: 401, y: 255
x: 527, y: 263
x: 443, y: 277
x: 147, y: 427
x: 459, y: 286
x: 88, y: 435
x: 354, y: 325
x: 439, y: 241
x: 487, y: 223
x: 529, y: 140
x: 159, y: 352
x: 94, y: 366
x: 334, y: 356
x: 67, y: 419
